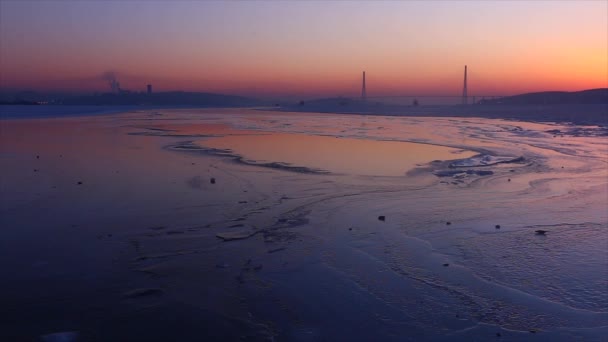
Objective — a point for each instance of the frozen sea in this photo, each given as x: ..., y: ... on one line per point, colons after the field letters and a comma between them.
x: 227, y: 224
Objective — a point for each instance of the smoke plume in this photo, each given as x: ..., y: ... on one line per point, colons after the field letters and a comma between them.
x: 110, y: 77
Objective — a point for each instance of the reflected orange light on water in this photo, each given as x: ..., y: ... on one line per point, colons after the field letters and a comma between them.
x: 336, y: 155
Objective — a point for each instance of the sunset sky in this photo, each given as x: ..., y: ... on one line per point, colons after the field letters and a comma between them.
x: 305, y: 48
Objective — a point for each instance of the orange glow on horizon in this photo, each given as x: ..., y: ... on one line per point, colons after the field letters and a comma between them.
x: 405, y: 48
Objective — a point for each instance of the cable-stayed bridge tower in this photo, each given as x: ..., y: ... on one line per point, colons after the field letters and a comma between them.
x: 363, y: 91
x: 464, y: 88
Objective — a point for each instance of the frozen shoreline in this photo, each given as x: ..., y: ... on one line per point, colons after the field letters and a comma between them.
x: 147, y: 234
x: 591, y: 114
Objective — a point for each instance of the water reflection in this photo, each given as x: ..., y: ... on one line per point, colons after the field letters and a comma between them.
x: 333, y: 154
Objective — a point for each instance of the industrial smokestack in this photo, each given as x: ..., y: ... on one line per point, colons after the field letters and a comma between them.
x: 116, y: 86
x: 149, y: 89
x: 110, y: 77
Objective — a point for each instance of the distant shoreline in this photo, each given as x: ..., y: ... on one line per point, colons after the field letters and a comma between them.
x: 579, y: 114
x: 23, y: 112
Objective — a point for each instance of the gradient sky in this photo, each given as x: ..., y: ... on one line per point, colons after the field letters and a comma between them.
x: 306, y: 48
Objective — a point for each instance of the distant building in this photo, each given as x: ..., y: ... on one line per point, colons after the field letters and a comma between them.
x: 149, y: 89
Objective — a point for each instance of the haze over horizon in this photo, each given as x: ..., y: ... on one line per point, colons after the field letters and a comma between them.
x: 305, y: 48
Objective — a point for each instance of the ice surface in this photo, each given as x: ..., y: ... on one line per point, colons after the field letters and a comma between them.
x: 311, y: 259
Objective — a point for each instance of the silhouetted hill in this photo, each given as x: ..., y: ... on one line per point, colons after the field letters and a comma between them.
x: 177, y: 98
x: 591, y: 96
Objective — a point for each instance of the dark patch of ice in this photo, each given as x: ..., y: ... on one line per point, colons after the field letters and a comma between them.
x: 189, y: 146
x: 145, y: 292
x: 276, y: 250
x: 239, y: 235
x: 581, y: 131
x: 64, y: 336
